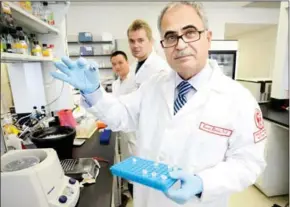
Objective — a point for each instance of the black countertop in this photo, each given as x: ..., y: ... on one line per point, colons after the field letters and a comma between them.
x: 278, y: 117
x: 98, y: 194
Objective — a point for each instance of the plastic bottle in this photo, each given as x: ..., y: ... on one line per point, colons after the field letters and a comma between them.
x: 23, y: 46
x: 37, y: 49
x: 16, y: 44
x: 45, y: 51
x: 51, y: 47
x: 8, y: 126
x: 3, y: 43
x: 19, y: 32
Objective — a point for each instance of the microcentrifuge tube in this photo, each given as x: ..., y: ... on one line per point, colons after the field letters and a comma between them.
x: 163, y: 177
x: 153, y: 174
x: 156, y: 164
x: 144, y: 172
x: 134, y: 160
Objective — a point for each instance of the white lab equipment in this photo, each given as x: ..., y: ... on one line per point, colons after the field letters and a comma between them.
x: 34, y: 178
x: 13, y: 142
x: 259, y: 87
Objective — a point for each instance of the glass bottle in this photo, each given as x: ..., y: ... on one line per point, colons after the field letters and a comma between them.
x: 37, y: 9
x: 10, y: 40
x: 45, y: 15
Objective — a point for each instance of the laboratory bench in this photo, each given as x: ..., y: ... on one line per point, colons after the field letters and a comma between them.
x: 274, y: 181
x: 100, y: 193
x: 278, y: 117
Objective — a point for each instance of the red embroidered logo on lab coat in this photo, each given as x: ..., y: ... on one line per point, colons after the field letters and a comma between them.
x: 215, y: 130
x: 260, y: 135
x: 259, y: 119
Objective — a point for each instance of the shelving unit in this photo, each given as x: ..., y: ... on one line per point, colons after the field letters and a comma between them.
x: 28, y: 74
x: 95, y: 55
x: 105, y: 68
x: 29, y: 21
x: 34, y: 25
x: 19, y: 57
x: 101, y: 53
x: 93, y: 42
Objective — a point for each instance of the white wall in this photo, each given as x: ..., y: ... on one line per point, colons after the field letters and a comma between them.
x: 116, y: 17
x: 257, y: 53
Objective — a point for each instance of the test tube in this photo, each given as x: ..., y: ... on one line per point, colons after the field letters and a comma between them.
x: 156, y: 164
x: 163, y: 177
x: 144, y: 172
x: 134, y: 160
x: 154, y: 174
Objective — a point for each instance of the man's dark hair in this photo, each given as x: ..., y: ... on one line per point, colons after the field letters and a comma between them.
x: 119, y: 52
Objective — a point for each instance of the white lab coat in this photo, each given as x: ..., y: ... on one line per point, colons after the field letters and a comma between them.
x: 153, y: 64
x: 127, y: 139
x: 227, y: 163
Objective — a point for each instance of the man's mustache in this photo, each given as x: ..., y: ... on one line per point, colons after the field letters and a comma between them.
x: 183, y: 53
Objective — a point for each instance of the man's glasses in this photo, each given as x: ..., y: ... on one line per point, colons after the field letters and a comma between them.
x: 171, y: 40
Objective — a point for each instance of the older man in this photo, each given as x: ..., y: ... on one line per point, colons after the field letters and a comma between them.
x: 193, y: 117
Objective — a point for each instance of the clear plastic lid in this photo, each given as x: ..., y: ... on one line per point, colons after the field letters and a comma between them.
x: 20, y: 164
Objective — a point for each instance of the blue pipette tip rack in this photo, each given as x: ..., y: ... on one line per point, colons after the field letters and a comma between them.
x: 145, y: 172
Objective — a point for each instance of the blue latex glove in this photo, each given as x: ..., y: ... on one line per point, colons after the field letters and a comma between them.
x: 80, y: 74
x: 191, y: 185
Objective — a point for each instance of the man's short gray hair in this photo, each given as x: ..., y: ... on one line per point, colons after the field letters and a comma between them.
x: 197, y: 6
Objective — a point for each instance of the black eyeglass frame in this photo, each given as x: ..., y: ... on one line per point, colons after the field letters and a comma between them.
x: 181, y: 37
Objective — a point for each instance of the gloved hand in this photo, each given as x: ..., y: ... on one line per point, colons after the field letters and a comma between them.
x: 80, y: 74
x: 191, y: 185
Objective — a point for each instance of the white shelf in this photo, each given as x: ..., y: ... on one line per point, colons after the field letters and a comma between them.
x: 18, y: 57
x: 29, y: 21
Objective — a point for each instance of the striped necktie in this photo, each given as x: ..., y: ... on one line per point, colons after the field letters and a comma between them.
x: 183, y: 88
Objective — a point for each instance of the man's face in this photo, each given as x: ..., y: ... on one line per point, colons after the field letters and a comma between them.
x: 187, y: 59
x: 139, y: 43
x: 120, y: 65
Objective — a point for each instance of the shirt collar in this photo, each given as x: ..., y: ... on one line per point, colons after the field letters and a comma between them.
x: 198, y: 80
x: 127, y: 77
